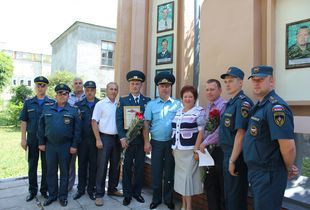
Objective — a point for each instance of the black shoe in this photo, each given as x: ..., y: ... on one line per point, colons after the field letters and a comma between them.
x: 170, y: 205
x: 30, y: 197
x: 154, y: 205
x: 63, y: 202
x: 44, y: 194
x: 78, y: 195
x: 126, y: 201
x: 49, y: 201
x: 139, y: 198
x: 92, y: 196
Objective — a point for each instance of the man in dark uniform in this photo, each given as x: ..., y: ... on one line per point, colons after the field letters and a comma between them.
x: 134, y: 150
x: 269, y: 146
x: 232, y: 129
x: 29, y: 117
x: 87, y: 151
x: 61, y: 125
x: 158, y: 115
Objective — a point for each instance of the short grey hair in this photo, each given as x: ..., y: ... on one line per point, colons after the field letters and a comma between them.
x: 112, y: 83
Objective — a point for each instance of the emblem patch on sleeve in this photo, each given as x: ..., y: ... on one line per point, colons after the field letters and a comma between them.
x: 245, y: 108
x: 278, y: 115
x: 227, y: 122
x: 254, y: 130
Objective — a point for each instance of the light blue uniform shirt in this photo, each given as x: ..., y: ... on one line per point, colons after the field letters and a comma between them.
x: 160, y: 114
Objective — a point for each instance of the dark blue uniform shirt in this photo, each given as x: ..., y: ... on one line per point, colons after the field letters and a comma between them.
x: 270, y: 120
x: 60, y: 127
x: 86, y: 113
x: 235, y: 116
x: 31, y: 113
x: 129, y: 101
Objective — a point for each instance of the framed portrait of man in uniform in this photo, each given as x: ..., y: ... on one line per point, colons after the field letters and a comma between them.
x: 164, y: 49
x: 165, y: 17
x: 170, y: 70
x: 298, y: 44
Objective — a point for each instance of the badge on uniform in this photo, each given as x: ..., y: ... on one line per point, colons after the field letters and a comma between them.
x: 67, y: 119
x: 278, y: 115
x: 227, y: 122
x: 253, y: 130
x: 245, y: 107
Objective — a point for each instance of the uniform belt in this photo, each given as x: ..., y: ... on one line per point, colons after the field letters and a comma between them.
x: 211, y: 147
x: 110, y: 135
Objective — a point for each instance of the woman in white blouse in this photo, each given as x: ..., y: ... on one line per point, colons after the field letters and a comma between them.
x: 188, y: 129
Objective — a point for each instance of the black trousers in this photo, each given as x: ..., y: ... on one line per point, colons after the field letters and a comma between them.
x: 33, y: 158
x: 214, y: 182
x: 162, y: 171
x: 133, y: 161
x: 109, y: 154
x: 87, y: 162
x: 58, y: 156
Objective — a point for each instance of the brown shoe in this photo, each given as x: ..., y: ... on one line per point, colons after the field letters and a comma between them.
x: 99, y: 202
x: 117, y: 193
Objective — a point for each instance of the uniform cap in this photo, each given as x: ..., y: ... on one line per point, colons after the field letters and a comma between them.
x: 62, y: 87
x: 235, y: 72
x: 90, y: 84
x: 164, y: 78
x: 135, y: 75
x: 261, y: 71
x: 41, y: 80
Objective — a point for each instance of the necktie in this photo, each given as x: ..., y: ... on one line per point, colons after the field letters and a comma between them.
x: 137, y: 100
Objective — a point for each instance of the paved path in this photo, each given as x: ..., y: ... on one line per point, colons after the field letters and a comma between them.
x: 13, y: 194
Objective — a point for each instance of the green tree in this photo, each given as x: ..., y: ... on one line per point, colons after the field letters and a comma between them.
x: 20, y: 94
x: 6, y: 70
x: 58, y: 77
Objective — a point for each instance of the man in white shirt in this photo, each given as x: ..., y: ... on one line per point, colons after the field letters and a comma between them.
x: 107, y: 143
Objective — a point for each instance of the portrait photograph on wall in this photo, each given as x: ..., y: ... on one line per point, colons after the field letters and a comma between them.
x: 165, y: 17
x: 157, y: 72
x: 164, y: 49
x: 297, y: 44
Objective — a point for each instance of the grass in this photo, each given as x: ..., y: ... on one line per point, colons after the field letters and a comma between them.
x: 306, y: 167
x: 13, y: 162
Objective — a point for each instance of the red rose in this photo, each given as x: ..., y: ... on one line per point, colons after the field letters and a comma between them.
x: 139, y: 115
x: 214, y: 113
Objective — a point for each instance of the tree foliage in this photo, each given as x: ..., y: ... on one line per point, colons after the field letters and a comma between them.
x: 20, y: 94
x: 58, y: 77
x: 6, y: 70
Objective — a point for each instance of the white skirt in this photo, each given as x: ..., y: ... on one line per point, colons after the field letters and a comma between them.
x: 187, y: 176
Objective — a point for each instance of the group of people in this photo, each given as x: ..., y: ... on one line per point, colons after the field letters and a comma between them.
x: 250, y: 144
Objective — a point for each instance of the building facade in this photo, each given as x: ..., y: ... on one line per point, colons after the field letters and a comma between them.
x: 207, y: 36
x: 86, y: 50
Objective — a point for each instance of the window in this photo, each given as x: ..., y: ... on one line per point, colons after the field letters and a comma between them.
x: 29, y: 82
x: 107, y: 53
x: 14, y: 81
x: 21, y: 82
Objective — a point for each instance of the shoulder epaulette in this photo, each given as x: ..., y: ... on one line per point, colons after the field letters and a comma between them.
x: 241, y: 96
x: 272, y: 100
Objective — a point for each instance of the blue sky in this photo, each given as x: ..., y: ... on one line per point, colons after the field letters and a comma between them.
x: 32, y: 25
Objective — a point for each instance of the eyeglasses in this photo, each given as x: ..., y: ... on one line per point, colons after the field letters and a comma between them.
x: 62, y: 93
x: 41, y: 85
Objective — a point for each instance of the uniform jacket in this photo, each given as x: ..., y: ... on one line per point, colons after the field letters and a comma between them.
x: 60, y: 127
x: 129, y: 101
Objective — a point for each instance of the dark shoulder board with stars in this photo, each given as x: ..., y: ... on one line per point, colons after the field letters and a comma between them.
x: 278, y: 114
x: 245, y: 109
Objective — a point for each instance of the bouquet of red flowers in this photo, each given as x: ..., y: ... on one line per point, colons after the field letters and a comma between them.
x: 213, y: 121
x: 135, y: 127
